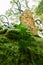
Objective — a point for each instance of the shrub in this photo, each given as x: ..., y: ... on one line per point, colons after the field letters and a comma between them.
x: 20, y: 51
x: 13, y: 34
x: 3, y: 31
x: 3, y: 39
x: 1, y: 28
x: 19, y: 32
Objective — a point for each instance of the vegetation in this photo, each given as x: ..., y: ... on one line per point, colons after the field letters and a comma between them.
x: 18, y: 45
x: 39, y: 10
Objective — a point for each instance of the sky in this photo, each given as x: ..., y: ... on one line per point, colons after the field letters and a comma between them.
x: 5, y: 5
x: 33, y: 4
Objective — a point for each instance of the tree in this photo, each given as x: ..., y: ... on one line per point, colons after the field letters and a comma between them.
x: 16, y: 7
x: 39, y: 10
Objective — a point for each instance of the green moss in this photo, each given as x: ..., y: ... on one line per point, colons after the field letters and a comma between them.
x: 19, y: 47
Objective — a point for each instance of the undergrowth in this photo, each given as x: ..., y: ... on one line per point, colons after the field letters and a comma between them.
x: 19, y: 46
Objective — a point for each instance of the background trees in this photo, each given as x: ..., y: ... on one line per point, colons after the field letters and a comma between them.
x: 39, y: 10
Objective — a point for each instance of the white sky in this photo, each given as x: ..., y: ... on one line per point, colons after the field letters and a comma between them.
x: 33, y: 4
x: 5, y: 5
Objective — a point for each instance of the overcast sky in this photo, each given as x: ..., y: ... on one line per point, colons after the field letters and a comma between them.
x: 5, y: 5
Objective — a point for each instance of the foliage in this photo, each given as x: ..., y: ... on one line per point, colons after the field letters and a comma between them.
x: 39, y: 10
x: 22, y: 49
x: 3, y: 39
x: 9, y: 12
x: 12, y: 34
x: 19, y: 46
x: 16, y: 11
x: 1, y: 28
x: 3, y: 31
x: 1, y: 19
x: 20, y: 32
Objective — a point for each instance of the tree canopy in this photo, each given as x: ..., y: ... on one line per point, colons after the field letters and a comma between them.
x: 39, y: 10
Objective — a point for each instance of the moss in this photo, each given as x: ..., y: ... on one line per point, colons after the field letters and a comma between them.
x: 3, y: 31
x: 25, y: 51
